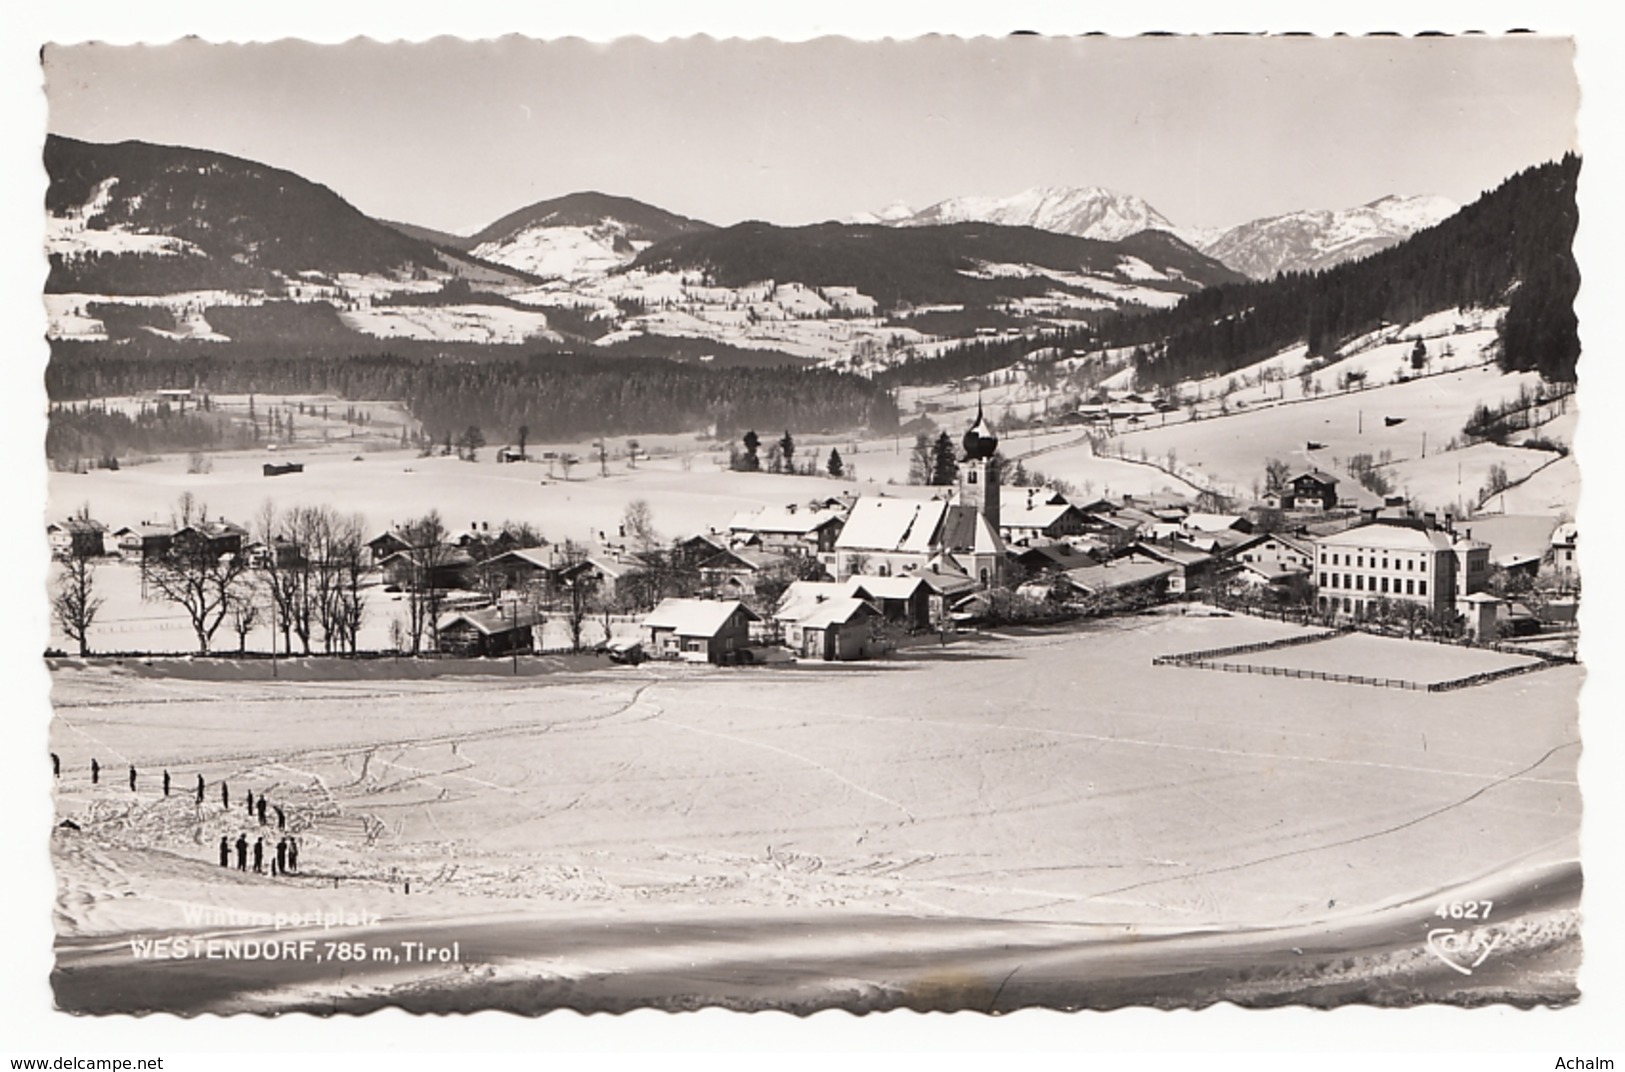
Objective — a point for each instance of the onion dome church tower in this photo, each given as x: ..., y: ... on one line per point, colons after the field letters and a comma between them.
x: 978, y: 476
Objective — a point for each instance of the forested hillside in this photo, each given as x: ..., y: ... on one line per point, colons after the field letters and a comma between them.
x: 556, y: 395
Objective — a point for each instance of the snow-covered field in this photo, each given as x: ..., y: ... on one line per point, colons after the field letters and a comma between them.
x: 1375, y: 656
x: 669, y: 834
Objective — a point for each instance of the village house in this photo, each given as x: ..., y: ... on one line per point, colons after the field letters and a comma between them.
x: 1031, y: 516
x: 521, y: 569
x: 1310, y: 489
x: 217, y: 537
x: 733, y: 573
x: 492, y: 631
x: 385, y: 544
x: 909, y: 601
x: 449, y: 567
x: 788, y: 530
x: 77, y: 537
x: 840, y: 629
x: 145, y: 541
x: 1190, y: 570
x: 800, y: 599
x: 1275, y: 547
x: 698, y: 630
x: 1122, y: 578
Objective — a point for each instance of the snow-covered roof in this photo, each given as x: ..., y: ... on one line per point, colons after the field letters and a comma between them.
x: 837, y: 611
x: 1037, y: 515
x: 898, y: 587
x: 802, y: 596
x: 695, y: 617
x: 1389, y: 538
x: 1211, y: 522
x: 746, y: 557
x: 1117, y: 574
x: 492, y: 619
x: 878, y: 523
x: 785, y: 519
x: 1565, y: 535
x: 965, y: 529
x: 1319, y: 476
x: 533, y: 556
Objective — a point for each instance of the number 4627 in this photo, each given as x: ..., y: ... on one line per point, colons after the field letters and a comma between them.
x: 1465, y: 910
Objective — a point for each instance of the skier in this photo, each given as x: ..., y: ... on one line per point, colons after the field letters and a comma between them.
x: 200, y: 789
x: 293, y: 854
x: 95, y: 771
x: 250, y: 803
x: 259, y: 856
x: 225, y: 796
x: 225, y: 852
x: 262, y: 809
x: 282, y: 855
x: 166, y: 783
x: 281, y: 817
x: 132, y: 777
x: 242, y: 852
x: 56, y: 765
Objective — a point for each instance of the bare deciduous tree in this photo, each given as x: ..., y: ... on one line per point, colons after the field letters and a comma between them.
x: 74, y: 603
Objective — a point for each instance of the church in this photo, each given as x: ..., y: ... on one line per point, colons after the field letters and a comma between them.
x: 959, y: 534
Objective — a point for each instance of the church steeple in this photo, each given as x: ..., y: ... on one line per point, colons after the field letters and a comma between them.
x: 978, y: 476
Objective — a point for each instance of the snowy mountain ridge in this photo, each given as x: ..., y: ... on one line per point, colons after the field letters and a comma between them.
x: 1084, y: 211
x: 1306, y: 240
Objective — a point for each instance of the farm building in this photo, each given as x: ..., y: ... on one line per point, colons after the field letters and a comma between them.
x: 492, y: 631
x: 698, y: 630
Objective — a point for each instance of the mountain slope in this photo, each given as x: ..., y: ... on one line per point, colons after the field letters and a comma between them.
x: 577, y: 235
x: 1311, y: 240
x: 969, y: 262
x: 134, y: 217
x: 1512, y: 246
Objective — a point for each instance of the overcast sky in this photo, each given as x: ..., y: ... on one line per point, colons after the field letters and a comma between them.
x: 1211, y: 131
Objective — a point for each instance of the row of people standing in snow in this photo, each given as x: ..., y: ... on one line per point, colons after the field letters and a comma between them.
x: 287, y: 848
x: 255, y: 806
x: 285, y: 861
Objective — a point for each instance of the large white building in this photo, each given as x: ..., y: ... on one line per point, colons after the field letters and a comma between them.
x: 1397, y: 561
